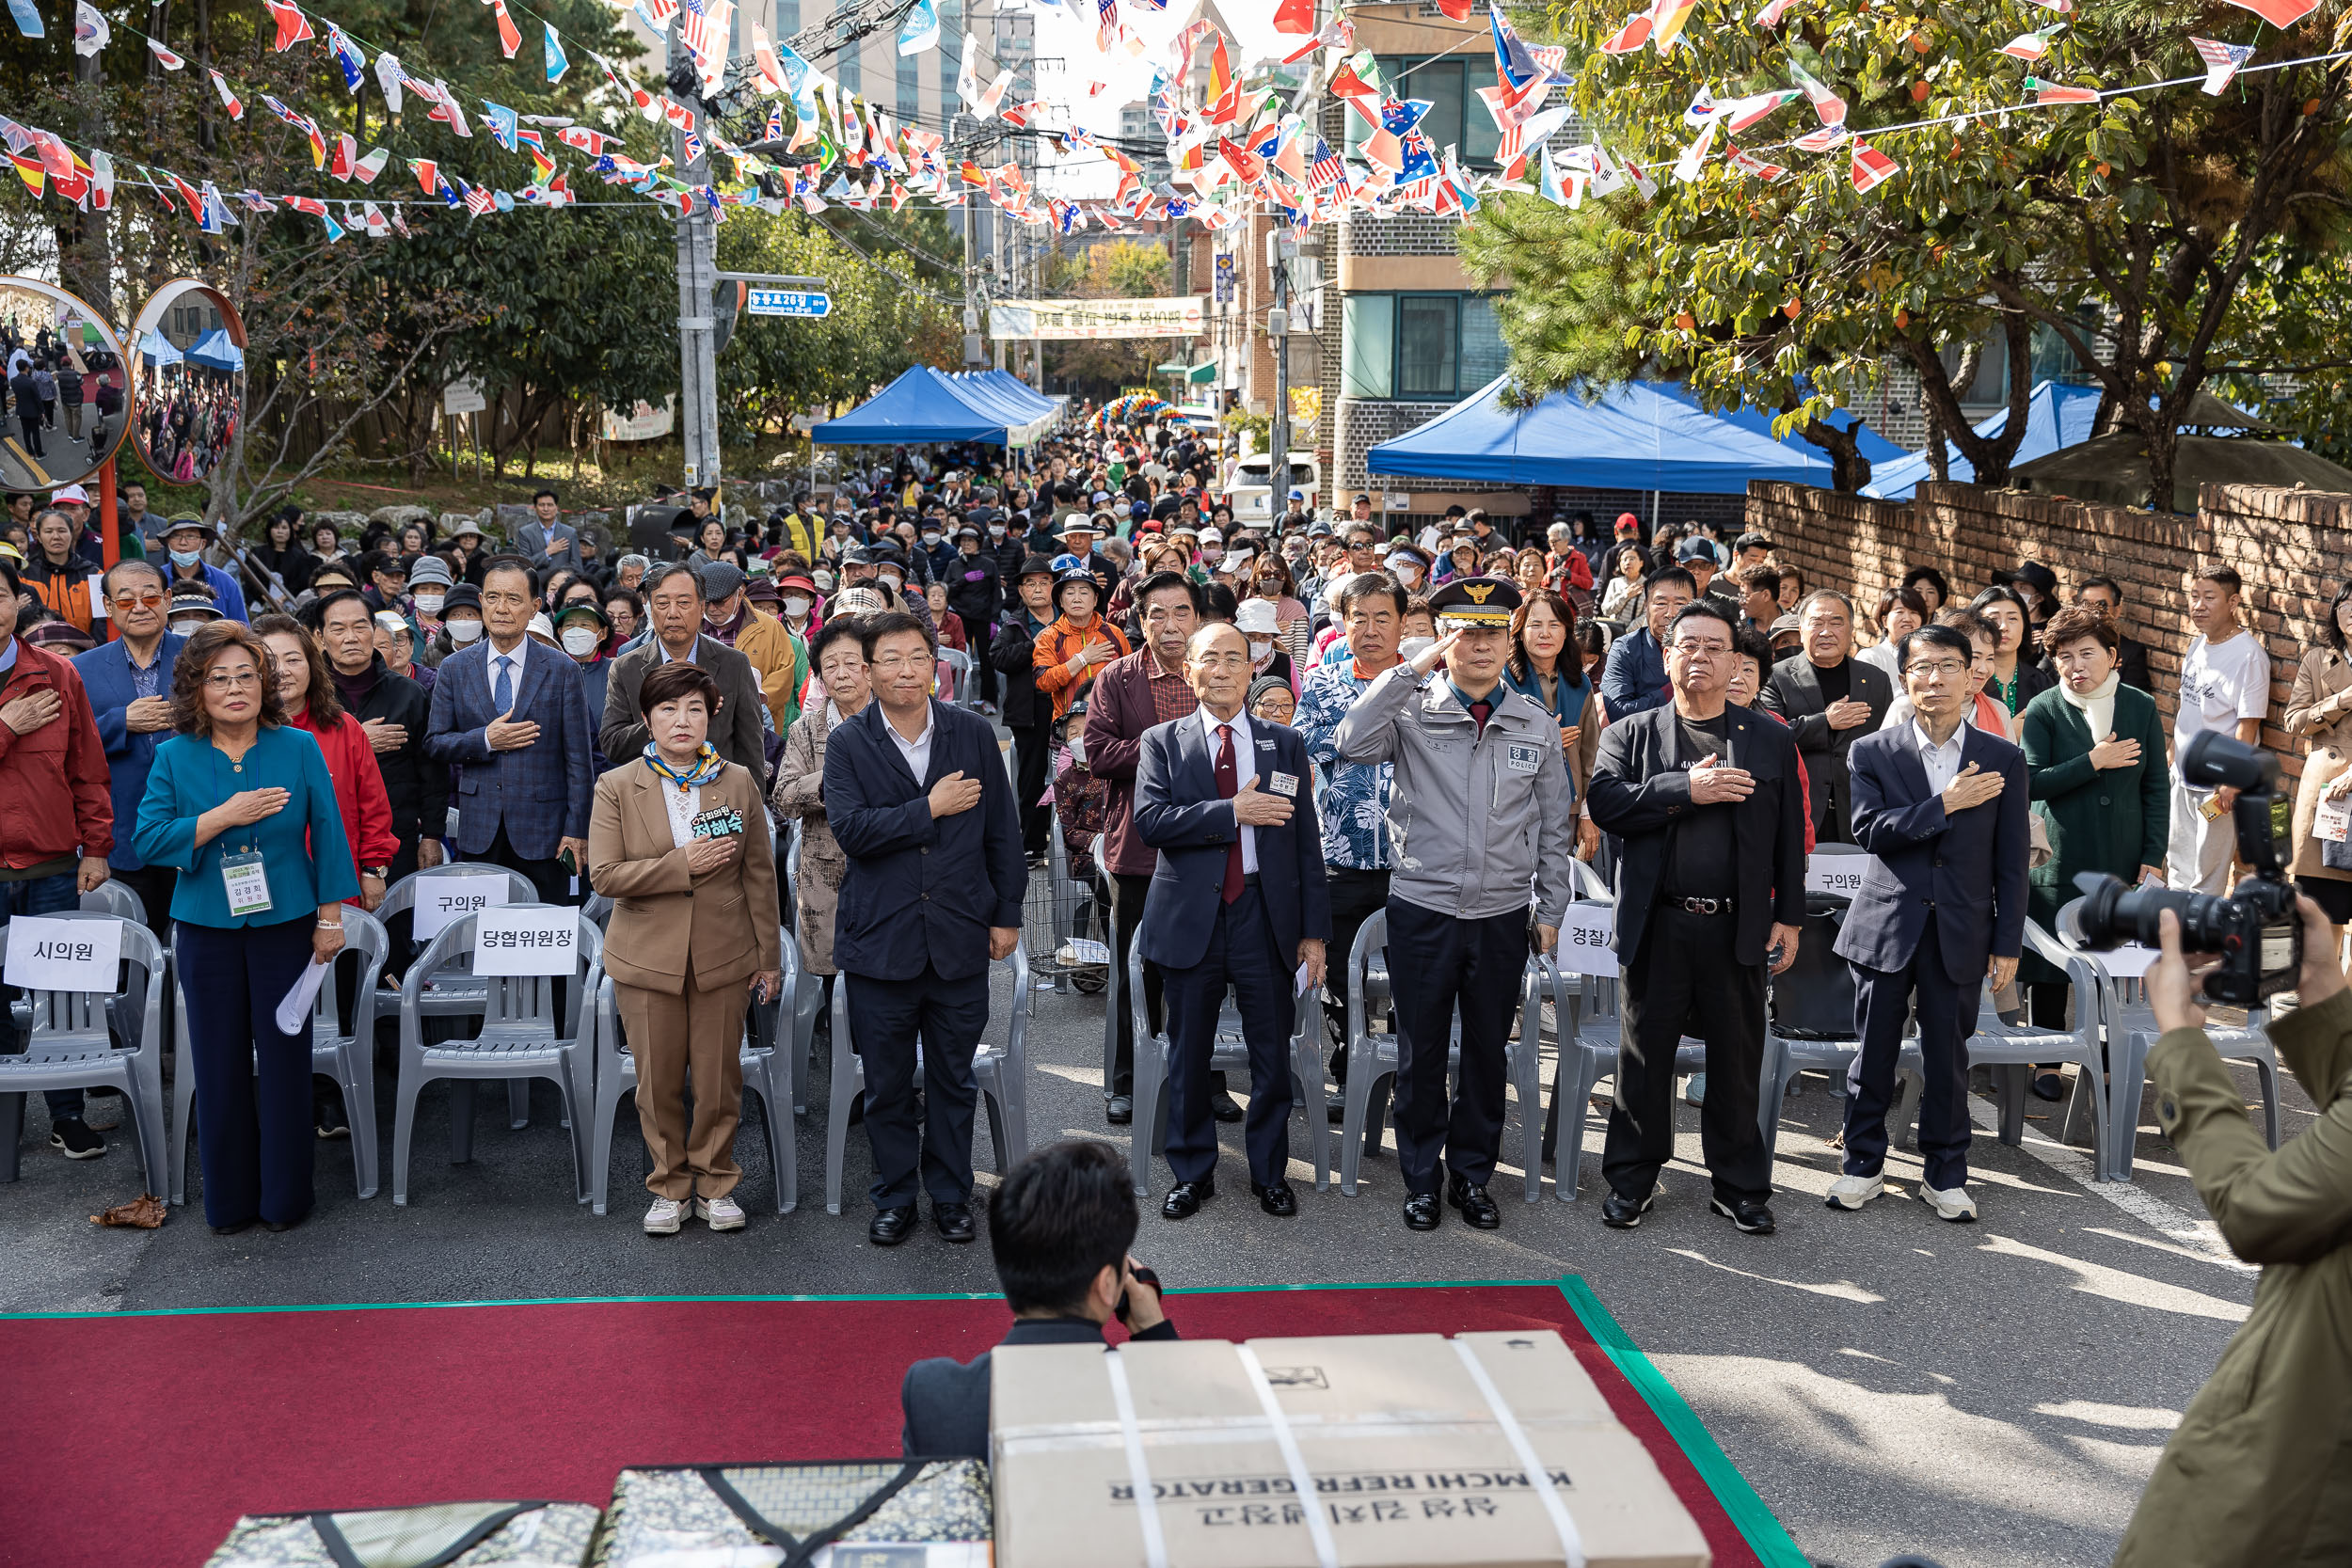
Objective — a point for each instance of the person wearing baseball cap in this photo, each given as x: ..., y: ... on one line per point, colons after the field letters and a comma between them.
x: 73, y: 501
x: 1477, y: 771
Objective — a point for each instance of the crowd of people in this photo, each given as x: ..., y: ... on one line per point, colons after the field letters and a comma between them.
x: 56, y: 386
x: 187, y: 416
x: 1273, y: 733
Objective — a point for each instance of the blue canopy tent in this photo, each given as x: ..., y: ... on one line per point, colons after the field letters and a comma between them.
x: 213, y: 349
x: 1643, y: 436
x: 157, y: 350
x: 922, y: 405
x: 2056, y: 417
x: 1025, y: 416
x: 1015, y: 390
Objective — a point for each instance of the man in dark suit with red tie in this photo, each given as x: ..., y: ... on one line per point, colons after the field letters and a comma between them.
x: 1238, y: 900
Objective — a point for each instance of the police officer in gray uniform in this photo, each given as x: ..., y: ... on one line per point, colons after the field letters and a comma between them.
x: 1481, y: 829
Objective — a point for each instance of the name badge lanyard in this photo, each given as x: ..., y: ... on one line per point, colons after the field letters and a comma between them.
x: 242, y: 875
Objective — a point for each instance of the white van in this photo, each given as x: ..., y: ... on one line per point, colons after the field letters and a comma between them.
x: 1253, y: 498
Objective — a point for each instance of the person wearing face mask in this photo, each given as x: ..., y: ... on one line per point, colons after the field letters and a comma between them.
x: 429, y: 583
x: 1271, y: 581
x: 461, y: 624
x: 184, y: 542
x: 796, y: 606
x: 1255, y: 619
x: 191, y: 606
x: 582, y: 632
x: 939, y: 552
x: 974, y: 595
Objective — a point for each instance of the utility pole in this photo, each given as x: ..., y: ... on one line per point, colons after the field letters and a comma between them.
x: 1281, y: 244
x: 697, y: 275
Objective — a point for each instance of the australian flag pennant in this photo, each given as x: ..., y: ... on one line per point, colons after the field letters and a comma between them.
x: 347, y: 56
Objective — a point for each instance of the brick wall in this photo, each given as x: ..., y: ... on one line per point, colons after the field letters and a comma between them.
x: 2291, y: 546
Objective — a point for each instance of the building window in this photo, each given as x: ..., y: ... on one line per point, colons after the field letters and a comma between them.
x: 1457, y: 117
x: 1427, y: 348
x: 910, y: 87
x: 787, y: 20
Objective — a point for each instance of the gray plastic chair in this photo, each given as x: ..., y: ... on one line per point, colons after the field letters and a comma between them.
x: 1371, y: 1059
x: 116, y: 900
x: 348, y: 1060
x: 1002, y: 1075
x: 1228, y: 1052
x: 960, y: 662
x: 2012, y: 1049
x: 767, y: 1073
x: 521, y: 1038
x: 808, y: 988
x: 2130, y: 1031
x: 90, y: 1040
x: 455, y: 993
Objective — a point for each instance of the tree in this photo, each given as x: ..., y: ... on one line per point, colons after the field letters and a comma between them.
x: 1114, y: 269
x: 2123, y: 230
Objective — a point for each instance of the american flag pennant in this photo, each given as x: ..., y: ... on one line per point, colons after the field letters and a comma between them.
x: 256, y: 202
x: 1327, y: 169
x: 346, y: 156
x: 481, y: 203
x: 2221, y: 61
x: 658, y: 13
x: 557, y: 63
x: 1769, y: 173
x: 1106, y: 25
x: 1869, y: 167
x: 293, y: 27
x: 391, y: 79
x: 1825, y: 102
x: 2033, y: 46
x: 227, y: 98
x: 2278, y: 13
x: 2049, y: 94
x: 706, y: 28
x: 510, y: 37
x: 170, y: 61
x: 367, y: 168
x: 347, y: 56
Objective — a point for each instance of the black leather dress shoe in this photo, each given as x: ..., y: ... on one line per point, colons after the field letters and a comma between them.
x: 1751, y: 1218
x: 1225, y: 1107
x: 1277, y: 1200
x: 891, y: 1226
x: 278, y: 1227
x: 1478, y: 1212
x: 954, y: 1221
x: 1423, y: 1212
x: 1120, y: 1109
x: 1186, y: 1198
x: 1620, y: 1212
x: 1335, y: 1106
x: 237, y: 1229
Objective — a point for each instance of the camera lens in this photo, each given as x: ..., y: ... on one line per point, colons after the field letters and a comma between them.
x: 2112, y: 912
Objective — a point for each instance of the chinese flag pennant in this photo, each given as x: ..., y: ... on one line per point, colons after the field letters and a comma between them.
x: 2051, y: 93
x: 2278, y: 13
x: 1871, y: 167
x: 1296, y: 18
x: 293, y: 27
x: 55, y: 156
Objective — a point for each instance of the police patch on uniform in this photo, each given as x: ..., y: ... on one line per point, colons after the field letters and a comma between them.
x: 1525, y: 759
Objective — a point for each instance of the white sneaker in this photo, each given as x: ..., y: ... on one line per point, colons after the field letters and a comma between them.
x: 1852, y: 1192
x: 665, y: 1217
x: 720, y: 1213
x: 1949, y: 1203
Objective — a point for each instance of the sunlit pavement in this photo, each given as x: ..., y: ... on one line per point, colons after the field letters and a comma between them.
x: 1993, y: 1395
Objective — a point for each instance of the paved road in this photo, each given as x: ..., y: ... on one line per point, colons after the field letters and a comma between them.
x: 1993, y: 1395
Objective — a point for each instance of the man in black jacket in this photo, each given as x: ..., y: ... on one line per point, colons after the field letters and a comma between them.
x: 1028, y: 716
x: 1060, y: 1226
x: 973, y: 594
x: 394, y: 710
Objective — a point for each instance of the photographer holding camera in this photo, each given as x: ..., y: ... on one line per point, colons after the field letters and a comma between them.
x: 2255, y: 1474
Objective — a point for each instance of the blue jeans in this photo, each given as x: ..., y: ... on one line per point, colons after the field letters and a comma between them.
x: 43, y: 895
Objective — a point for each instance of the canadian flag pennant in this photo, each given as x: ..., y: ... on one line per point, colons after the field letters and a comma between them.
x: 2278, y: 13
x: 1770, y: 16
x: 367, y: 168
x: 1826, y: 104
x: 227, y: 98
x: 1630, y: 36
x: 427, y: 173
x: 1822, y: 140
x: 1769, y: 173
x: 582, y: 140
x: 2221, y: 61
x: 2033, y: 46
x: 293, y: 27
x: 170, y: 61
x: 1871, y: 167
x: 2051, y: 93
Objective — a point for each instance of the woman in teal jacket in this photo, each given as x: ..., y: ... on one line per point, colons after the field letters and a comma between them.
x: 240, y: 803
x: 2095, y: 768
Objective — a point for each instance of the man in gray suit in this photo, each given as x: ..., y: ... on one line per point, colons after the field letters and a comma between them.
x: 1830, y: 699
x: 674, y: 605
x: 546, y: 540
x: 1059, y: 1227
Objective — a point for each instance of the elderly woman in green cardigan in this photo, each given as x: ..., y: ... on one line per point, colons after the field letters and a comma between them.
x: 2095, y: 768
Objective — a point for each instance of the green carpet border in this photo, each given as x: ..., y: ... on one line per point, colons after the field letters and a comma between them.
x: 1748, y: 1513
x: 1763, y: 1531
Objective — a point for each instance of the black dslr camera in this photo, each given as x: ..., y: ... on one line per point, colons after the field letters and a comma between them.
x: 2257, y: 930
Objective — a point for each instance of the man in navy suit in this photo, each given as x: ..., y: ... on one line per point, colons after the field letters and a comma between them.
x: 1238, y: 900
x: 1942, y: 804
x: 918, y: 799
x: 512, y: 716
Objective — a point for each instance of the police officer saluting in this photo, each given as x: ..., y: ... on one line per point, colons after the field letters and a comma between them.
x: 1480, y: 826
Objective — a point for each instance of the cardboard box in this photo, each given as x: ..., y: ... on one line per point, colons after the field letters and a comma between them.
x: 1406, y: 1455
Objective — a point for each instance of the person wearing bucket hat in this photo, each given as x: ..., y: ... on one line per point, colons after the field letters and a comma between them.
x: 1027, y: 712
x: 1080, y: 641
x: 184, y: 538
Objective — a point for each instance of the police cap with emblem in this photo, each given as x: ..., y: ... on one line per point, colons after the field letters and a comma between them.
x: 1467, y: 602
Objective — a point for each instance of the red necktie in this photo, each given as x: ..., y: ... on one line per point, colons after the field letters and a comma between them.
x: 1228, y: 784
x: 1482, y: 711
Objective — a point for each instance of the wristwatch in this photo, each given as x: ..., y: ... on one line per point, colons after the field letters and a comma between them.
x: 378, y: 872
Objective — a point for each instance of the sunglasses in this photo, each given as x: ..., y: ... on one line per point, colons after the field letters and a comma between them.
x: 149, y: 600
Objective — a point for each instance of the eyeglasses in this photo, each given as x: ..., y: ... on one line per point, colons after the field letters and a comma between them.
x: 233, y: 680
x: 1950, y: 668
x: 149, y: 600
x: 1691, y: 649
x: 895, y: 663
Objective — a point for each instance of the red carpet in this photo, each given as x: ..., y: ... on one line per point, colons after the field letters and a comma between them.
x: 140, y: 1439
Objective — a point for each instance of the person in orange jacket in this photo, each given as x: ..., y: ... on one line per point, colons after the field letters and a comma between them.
x: 1079, y: 642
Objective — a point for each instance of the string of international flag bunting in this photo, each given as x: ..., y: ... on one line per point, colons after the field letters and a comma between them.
x: 1230, y: 149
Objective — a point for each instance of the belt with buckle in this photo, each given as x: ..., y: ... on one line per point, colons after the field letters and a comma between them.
x: 1701, y: 906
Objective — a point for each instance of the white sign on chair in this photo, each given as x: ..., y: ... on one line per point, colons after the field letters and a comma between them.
x: 64, y: 955
x: 1840, y: 875
x: 443, y: 897
x: 529, y: 939
x: 1586, y: 931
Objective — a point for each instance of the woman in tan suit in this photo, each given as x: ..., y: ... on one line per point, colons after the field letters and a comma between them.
x: 838, y: 654
x: 2320, y: 707
x: 679, y: 842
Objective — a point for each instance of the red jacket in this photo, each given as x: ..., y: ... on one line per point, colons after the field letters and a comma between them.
x: 1124, y: 704
x: 358, y: 789
x: 54, y: 786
